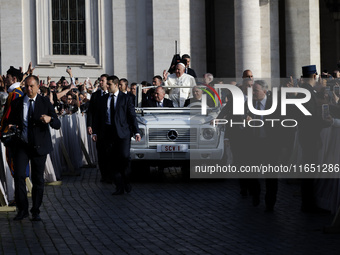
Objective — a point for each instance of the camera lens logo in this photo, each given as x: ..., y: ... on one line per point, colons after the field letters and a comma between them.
x: 172, y: 135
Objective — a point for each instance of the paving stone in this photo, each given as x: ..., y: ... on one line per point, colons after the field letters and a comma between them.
x: 165, y: 216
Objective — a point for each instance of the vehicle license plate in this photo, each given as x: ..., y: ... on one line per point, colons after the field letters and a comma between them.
x: 172, y: 148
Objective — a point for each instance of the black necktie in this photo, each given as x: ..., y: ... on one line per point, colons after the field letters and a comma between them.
x: 258, y: 107
x: 30, y: 122
x: 260, y: 131
x: 112, y: 108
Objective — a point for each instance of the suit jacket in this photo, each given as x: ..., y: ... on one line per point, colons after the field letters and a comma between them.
x: 93, y: 108
x: 146, y: 97
x: 239, y: 133
x: 166, y: 103
x: 191, y: 72
x: 310, y: 127
x: 41, y: 132
x: 190, y: 101
x: 124, y: 119
x: 265, y: 142
x: 272, y: 133
x: 133, y: 98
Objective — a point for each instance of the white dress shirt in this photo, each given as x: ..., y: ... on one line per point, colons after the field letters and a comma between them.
x: 262, y: 107
x: 25, y: 116
x: 108, y: 112
x: 160, y: 104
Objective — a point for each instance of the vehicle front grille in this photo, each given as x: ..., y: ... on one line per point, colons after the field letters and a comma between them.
x: 191, y: 146
x: 185, y: 135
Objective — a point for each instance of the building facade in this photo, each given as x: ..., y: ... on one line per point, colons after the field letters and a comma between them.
x: 136, y: 39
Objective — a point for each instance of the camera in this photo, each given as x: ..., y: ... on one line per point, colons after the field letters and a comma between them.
x: 13, y: 135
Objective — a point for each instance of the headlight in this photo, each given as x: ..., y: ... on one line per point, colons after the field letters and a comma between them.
x: 208, y: 133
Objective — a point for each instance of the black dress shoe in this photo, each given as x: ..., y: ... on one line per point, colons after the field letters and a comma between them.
x: 269, y: 209
x: 36, y: 217
x: 21, y: 215
x: 105, y: 181
x: 128, y: 188
x: 256, y: 200
x: 313, y: 209
x: 118, y: 192
x: 244, y: 193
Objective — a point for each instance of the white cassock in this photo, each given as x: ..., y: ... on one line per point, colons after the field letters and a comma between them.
x: 179, y: 95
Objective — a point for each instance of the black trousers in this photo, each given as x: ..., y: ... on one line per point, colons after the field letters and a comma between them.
x: 309, y: 156
x: 117, y: 157
x: 101, y: 151
x: 263, y: 152
x: 23, y: 153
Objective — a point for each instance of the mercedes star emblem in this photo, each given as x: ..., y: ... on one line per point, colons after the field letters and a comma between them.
x: 172, y: 135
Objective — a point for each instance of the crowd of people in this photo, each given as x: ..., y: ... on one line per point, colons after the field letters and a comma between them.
x: 277, y: 144
x: 30, y: 108
x: 68, y: 95
x: 109, y: 104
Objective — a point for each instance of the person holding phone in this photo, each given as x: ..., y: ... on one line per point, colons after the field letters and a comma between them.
x: 69, y: 71
x: 72, y: 102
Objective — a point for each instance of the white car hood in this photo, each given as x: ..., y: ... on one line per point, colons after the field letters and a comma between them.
x: 173, y: 119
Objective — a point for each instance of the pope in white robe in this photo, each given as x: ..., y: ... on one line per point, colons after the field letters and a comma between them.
x: 179, y: 79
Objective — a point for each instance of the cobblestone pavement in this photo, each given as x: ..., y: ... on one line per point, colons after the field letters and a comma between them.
x: 167, y: 216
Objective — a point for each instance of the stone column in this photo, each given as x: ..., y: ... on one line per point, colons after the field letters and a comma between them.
x: 123, y: 38
x: 165, y: 33
x: 270, y: 46
x: 184, y: 26
x: 248, y: 37
x: 302, y: 35
x: 11, y: 34
x: 182, y: 21
x: 198, y: 46
x: 144, y: 58
x: 131, y: 40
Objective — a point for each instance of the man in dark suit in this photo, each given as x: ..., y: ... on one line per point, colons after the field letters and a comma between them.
x: 123, y: 86
x: 238, y: 137
x: 94, y: 102
x: 265, y: 148
x: 32, y: 114
x: 158, y: 99
x: 309, y: 130
x: 116, y: 124
x: 147, y: 94
x: 188, y: 70
x: 157, y: 80
x: 92, y: 113
x: 197, y: 96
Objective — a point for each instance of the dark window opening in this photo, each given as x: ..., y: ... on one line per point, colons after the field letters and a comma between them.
x: 68, y: 27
